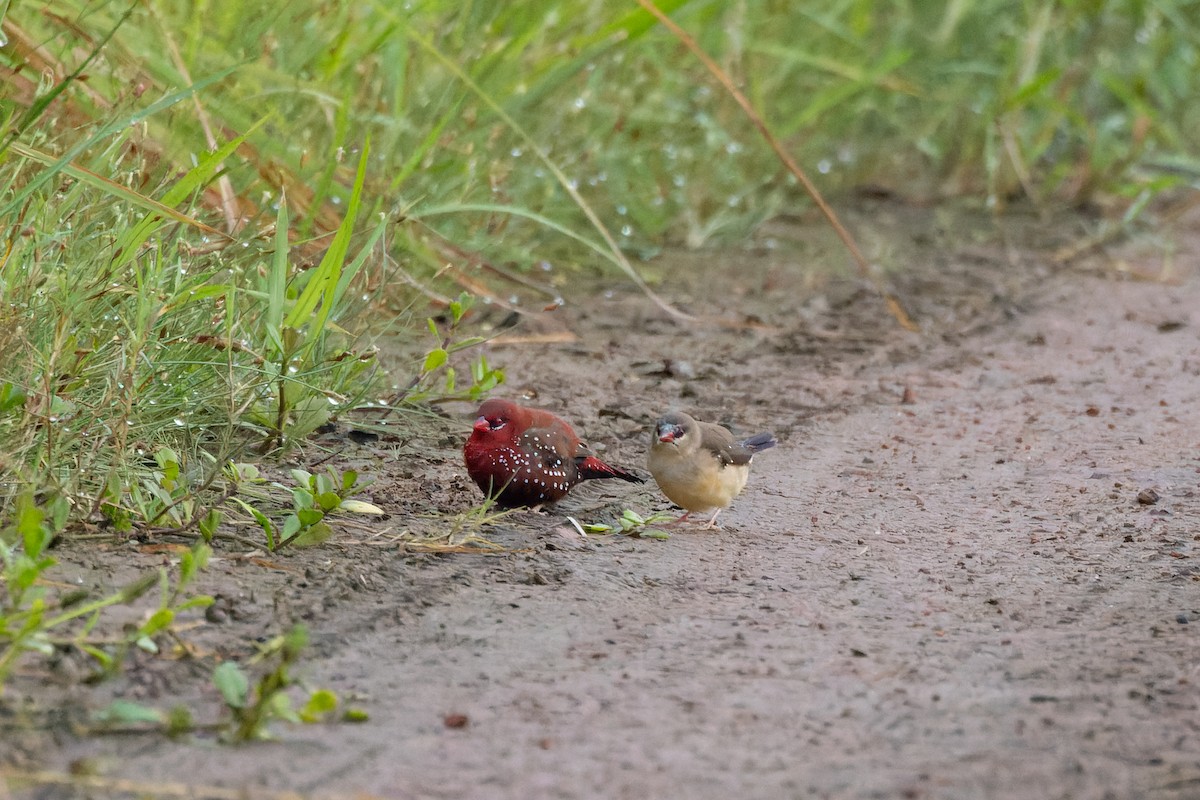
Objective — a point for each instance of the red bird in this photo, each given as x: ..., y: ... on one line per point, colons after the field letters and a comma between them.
x: 526, y: 457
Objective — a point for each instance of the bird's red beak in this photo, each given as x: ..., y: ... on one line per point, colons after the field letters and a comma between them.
x: 482, y: 424
x: 667, y: 436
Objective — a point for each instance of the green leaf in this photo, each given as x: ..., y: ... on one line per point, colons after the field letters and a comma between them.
x: 466, y: 342
x: 127, y: 712
x: 165, y: 456
x: 276, y: 284
x: 291, y: 526
x: 328, y: 501
x: 202, y: 553
x: 60, y: 512
x: 11, y: 396
x: 231, y: 682
x: 244, y: 472
x: 158, y: 621
x: 179, y: 720
x: 309, y: 414
x: 361, y: 507
x: 324, y: 484
x: 654, y: 533
x: 102, y: 657
x: 29, y: 525
x: 293, y: 339
x: 302, y: 498
x: 435, y: 359
x: 168, y: 462
x: 315, y: 535
x: 196, y: 601
x: 187, y: 566
x: 280, y: 706
x: 209, y: 523
x: 309, y: 516
x: 320, y: 703
x: 354, y: 714
x: 263, y: 522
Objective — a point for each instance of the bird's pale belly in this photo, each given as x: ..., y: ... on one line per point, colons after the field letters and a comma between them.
x: 697, y: 488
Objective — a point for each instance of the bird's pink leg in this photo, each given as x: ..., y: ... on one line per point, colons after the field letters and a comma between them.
x: 712, y: 523
x: 677, y: 520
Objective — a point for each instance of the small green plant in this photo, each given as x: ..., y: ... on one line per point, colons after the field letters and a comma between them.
x: 484, y: 378
x: 314, y: 497
x: 253, y: 710
x: 631, y: 523
x: 32, y: 622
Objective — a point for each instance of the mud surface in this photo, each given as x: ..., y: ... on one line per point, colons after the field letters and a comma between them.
x: 942, y: 583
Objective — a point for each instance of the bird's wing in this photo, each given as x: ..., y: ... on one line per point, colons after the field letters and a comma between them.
x: 548, y: 447
x: 718, y: 441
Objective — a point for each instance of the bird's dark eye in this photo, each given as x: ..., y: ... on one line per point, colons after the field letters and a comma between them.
x: 497, y: 424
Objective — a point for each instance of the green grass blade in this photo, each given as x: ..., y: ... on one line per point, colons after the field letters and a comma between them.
x: 323, y: 283
x: 276, y: 288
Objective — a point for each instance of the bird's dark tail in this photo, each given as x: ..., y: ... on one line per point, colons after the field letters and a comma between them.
x: 759, y: 442
x: 591, y: 468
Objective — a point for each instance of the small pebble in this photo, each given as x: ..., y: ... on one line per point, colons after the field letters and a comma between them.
x: 1182, y: 619
x: 1147, y: 497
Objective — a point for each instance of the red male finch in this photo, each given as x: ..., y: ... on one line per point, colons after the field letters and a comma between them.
x: 526, y: 457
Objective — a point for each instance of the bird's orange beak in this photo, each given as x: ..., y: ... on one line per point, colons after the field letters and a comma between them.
x: 482, y: 424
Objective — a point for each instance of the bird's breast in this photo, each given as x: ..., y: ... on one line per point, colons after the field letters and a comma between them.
x: 696, y: 481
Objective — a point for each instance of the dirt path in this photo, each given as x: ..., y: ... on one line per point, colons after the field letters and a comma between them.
x: 956, y: 597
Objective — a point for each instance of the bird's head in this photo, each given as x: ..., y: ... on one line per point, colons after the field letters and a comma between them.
x: 674, y: 429
x: 498, y: 418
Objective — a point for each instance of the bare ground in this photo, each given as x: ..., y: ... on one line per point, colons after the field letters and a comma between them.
x: 941, y: 585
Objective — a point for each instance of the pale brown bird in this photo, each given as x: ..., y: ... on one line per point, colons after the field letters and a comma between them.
x: 699, y: 466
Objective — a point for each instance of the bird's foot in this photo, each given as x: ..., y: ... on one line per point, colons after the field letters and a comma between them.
x: 677, y: 521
